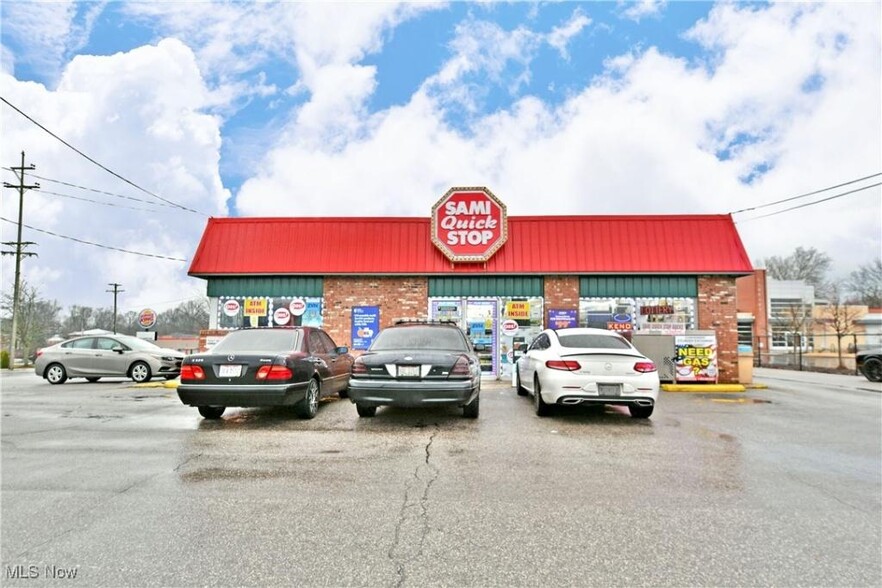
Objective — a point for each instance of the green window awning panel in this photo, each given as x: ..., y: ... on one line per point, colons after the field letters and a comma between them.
x: 487, y: 286
x: 266, y: 286
x: 638, y: 286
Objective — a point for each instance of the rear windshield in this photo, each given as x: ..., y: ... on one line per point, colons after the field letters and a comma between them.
x: 594, y: 341
x: 417, y: 338
x: 259, y: 341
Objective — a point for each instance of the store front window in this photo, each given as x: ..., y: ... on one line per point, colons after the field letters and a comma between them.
x: 669, y: 316
x: 237, y: 312
x: 502, y: 326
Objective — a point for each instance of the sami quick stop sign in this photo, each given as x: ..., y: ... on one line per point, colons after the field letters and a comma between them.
x: 469, y: 224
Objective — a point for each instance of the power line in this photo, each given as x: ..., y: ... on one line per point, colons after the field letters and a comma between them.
x: 108, y: 170
x: 95, y: 244
x: 807, y: 194
x: 811, y: 203
x: 70, y: 185
x: 97, y: 201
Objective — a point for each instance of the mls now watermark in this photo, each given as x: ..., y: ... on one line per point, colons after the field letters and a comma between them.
x: 33, y: 572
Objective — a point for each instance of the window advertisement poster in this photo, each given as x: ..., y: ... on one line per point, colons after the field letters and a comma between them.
x: 518, y: 310
x: 562, y: 319
x: 696, y: 359
x: 447, y: 310
x: 365, y: 325
x: 313, y: 315
x: 236, y: 312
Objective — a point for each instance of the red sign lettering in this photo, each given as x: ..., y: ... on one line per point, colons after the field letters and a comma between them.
x: 469, y: 224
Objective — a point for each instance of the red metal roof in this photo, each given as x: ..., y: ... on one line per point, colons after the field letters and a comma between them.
x: 669, y: 244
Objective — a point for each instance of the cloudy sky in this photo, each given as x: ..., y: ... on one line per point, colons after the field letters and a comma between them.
x: 372, y: 109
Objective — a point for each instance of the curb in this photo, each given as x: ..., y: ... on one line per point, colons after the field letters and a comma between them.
x: 167, y: 384
x: 703, y: 388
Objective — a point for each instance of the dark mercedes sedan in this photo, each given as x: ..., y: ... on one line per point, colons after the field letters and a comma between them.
x: 285, y: 366
x: 417, y: 364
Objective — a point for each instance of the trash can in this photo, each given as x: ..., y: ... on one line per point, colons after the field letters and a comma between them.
x: 745, y: 364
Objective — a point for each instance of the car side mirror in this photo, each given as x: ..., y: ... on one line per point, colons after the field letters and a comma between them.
x: 341, y: 350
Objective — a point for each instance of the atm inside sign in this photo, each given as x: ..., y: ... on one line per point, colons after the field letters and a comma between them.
x: 255, y: 306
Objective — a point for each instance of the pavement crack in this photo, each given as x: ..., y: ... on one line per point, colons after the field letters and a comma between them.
x: 412, y: 527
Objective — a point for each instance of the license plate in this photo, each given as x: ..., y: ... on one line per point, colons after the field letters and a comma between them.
x: 408, y: 371
x: 230, y: 371
x: 609, y: 389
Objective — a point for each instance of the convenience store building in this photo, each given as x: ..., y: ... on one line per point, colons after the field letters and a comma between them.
x: 502, y: 279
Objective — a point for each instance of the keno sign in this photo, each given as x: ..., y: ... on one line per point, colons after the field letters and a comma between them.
x: 469, y: 224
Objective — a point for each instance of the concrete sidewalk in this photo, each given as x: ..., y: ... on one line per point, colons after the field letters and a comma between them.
x: 847, y: 381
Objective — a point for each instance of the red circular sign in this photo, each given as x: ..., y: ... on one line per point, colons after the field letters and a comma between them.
x: 282, y: 315
x: 231, y: 307
x: 147, y: 318
x: 469, y: 224
x: 297, y: 306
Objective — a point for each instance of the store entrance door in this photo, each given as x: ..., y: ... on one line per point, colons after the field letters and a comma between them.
x: 481, y: 327
x: 478, y: 318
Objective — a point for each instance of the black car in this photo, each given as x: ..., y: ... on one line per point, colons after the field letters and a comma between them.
x: 417, y: 363
x: 285, y: 366
x: 869, y: 363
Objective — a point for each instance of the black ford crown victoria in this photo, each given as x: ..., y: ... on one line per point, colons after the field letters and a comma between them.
x: 417, y: 363
x: 285, y: 366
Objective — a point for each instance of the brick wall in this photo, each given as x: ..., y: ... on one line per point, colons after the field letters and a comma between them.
x: 717, y: 311
x: 561, y: 292
x: 397, y: 297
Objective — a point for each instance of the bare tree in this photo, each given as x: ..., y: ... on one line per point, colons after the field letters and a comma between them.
x: 809, y: 265
x: 866, y: 283
x: 37, y: 318
x: 839, y: 317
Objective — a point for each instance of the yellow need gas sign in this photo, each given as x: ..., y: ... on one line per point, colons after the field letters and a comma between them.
x: 517, y: 310
x: 255, y: 306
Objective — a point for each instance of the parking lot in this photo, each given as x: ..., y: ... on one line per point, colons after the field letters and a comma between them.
x: 125, y: 486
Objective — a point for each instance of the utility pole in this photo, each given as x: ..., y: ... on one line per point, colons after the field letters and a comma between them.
x: 115, y: 291
x: 19, y: 250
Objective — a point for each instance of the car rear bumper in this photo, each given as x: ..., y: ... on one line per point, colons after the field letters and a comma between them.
x: 559, y: 387
x: 417, y: 393
x: 254, y: 395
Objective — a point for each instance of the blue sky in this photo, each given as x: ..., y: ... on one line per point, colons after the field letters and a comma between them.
x: 377, y: 108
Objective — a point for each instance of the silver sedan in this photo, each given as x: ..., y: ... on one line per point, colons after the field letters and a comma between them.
x: 107, y: 356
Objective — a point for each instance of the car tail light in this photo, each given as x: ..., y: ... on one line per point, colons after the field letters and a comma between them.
x: 644, y: 367
x: 460, y: 369
x: 358, y: 367
x: 39, y: 353
x: 274, y: 372
x: 567, y: 365
x: 192, y: 372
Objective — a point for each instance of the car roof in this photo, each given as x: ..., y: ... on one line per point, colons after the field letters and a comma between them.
x: 584, y: 331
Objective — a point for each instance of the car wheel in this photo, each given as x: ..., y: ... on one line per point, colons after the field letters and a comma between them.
x: 641, y: 412
x: 470, y: 410
x: 56, y: 374
x: 212, y: 412
x: 521, y: 390
x: 92, y: 380
x: 873, y: 369
x: 365, y: 411
x: 308, y: 407
x: 542, y: 408
x: 140, y: 372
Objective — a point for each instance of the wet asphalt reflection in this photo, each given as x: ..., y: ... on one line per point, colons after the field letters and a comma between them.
x: 778, y: 486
